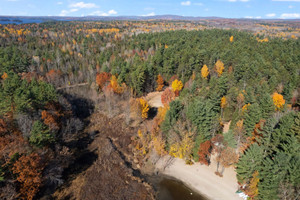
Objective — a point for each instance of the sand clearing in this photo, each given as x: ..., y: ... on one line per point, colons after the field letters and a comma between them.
x: 154, y: 99
x: 202, y: 178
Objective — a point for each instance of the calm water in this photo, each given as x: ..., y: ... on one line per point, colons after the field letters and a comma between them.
x: 18, y: 20
x: 171, y: 189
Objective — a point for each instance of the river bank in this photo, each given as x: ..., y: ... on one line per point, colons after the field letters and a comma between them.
x: 201, y: 178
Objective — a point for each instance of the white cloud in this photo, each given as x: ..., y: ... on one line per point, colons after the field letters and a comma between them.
x: 290, y: 7
x: 63, y: 13
x: 185, y: 3
x: 112, y: 12
x: 290, y: 15
x: 101, y: 13
x: 83, y: 5
x: 59, y: 3
x: 248, y: 17
x: 74, y: 10
x: 244, y: 0
x: 271, y: 15
x: 149, y: 14
x: 66, y: 12
x: 258, y: 17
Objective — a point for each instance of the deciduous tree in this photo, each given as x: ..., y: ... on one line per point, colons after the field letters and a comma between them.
x: 278, y: 101
x: 219, y: 67
x: 177, y: 86
x: 204, y: 72
x: 167, y: 96
x: 204, y: 152
x: 160, y: 83
x: 29, y: 174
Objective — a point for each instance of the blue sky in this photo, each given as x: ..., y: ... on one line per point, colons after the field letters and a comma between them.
x: 268, y: 9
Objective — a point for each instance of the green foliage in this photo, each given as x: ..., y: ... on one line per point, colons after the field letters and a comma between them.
x: 172, y: 116
x: 1, y: 175
x: 40, y: 134
x: 13, y: 59
x: 229, y: 139
x: 276, y: 158
x: 252, y: 117
x: 249, y: 162
x: 202, y: 115
x: 20, y: 96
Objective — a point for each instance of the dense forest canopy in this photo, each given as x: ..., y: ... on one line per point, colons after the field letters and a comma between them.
x: 209, y: 78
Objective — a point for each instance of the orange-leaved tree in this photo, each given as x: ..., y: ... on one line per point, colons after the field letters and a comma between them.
x: 278, y: 101
x: 219, y: 67
x: 205, y: 152
x: 29, y: 174
x: 50, y: 120
x: 102, y: 78
x: 231, y: 39
x: 160, y: 83
x: 204, y: 72
x: 4, y: 76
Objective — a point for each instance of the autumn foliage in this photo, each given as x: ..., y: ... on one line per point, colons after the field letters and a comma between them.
x: 102, y: 78
x: 204, y: 72
x: 252, y: 188
x: 223, y: 102
x: 205, y: 152
x: 219, y: 67
x: 50, y: 120
x: 4, y: 76
x: 160, y: 83
x: 115, y: 86
x: 167, y: 96
x: 144, y: 108
x: 231, y: 39
x: 3, y: 127
x: 182, y: 149
x: 278, y: 101
x: 177, y: 86
x: 29, y: 172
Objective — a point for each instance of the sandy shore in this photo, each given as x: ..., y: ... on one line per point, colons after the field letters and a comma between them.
x: 202, y: 178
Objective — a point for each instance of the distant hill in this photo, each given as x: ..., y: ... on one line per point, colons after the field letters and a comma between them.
x: 39, y: 19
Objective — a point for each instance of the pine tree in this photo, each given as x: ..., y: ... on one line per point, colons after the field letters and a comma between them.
x: 249, y: 162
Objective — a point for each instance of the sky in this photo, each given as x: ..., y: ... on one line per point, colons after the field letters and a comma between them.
x: 255, y: 9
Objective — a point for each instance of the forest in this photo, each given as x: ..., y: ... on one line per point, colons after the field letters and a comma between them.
x: 207, y: 79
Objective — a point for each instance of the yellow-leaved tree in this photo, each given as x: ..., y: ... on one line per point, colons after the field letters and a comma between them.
x: 223, y: 102
x: 219, y: 67
x: 204, y: 72
x: 115, y: 86
x: 183, y: 148
x: 278, y: 101
x: 231, y: 39
x: 252, y: 189
x: 143, y: 142
x: 144, y: 108
x: 177, y: 86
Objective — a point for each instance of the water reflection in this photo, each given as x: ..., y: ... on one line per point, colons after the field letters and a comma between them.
x: 170, y: 189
